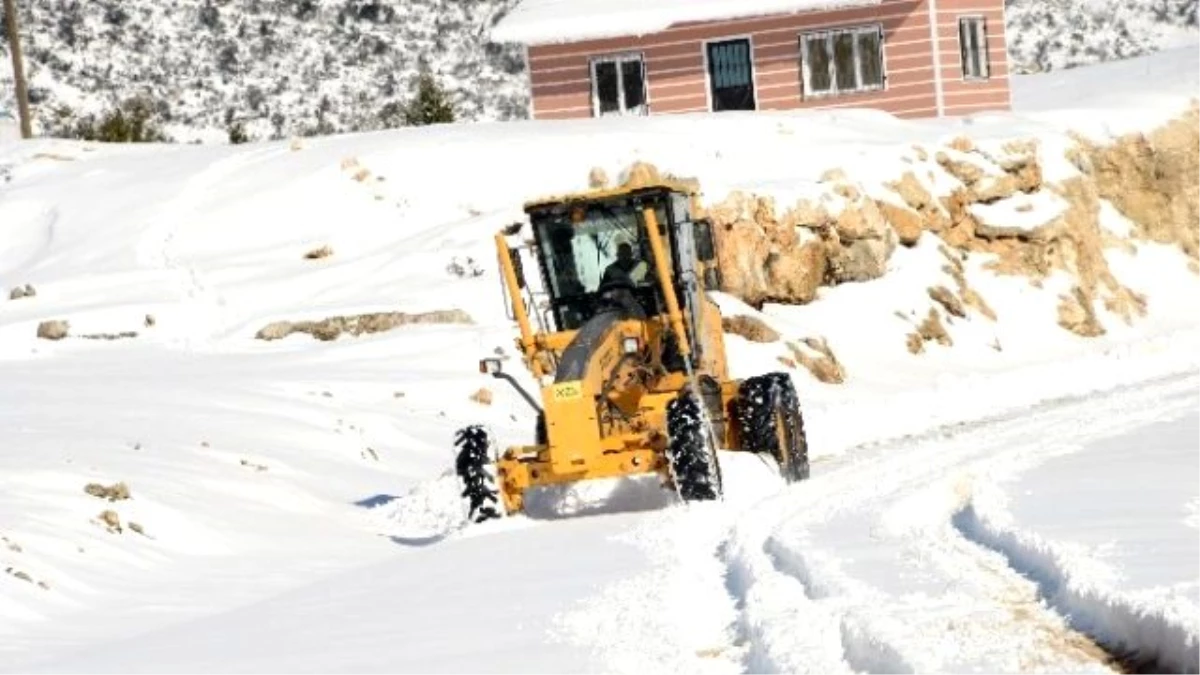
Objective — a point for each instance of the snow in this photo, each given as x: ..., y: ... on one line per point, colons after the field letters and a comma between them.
x: 552, y: 21
x: 1125, y: 568
x: 1065, y: 97
x: 10, y: 129
x: 874, y: 567
x: 294, y: 496
x: 424, y: 610
x: 1021, y: 213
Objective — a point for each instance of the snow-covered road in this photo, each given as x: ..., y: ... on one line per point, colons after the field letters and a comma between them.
x: 951, y: 552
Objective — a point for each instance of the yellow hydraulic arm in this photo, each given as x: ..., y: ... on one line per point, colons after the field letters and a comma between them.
x: 528, y: 344
x: 663, y: 264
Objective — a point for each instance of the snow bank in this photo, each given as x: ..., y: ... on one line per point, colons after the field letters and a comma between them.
x: 1127, y: 89
x: 1121, y: 569
x: 1163, y: 636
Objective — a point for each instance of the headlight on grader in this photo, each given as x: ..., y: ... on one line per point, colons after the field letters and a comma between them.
x: 631, y: 345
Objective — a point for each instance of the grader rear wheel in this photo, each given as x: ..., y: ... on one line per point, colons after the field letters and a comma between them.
x: 771, y: 423
x: 690, y: 455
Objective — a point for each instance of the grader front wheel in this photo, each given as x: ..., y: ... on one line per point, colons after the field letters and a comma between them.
x: 771, y: 423
x: 472, y: 465
x: 691, y: 457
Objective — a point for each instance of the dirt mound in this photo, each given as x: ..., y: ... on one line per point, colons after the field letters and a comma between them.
x: 53, y: 330
x: 334, y: 327
x: 765, y: 257
x: 123, y: 335
x: 597, y: 178
x: 1000, y: 205
x: 319, y: 253
x: 1154, y: 179
x: 931, y: 329
x: 984, y: 198
x: 751, y: 328
x: 113, y: 493
x: 761, y: 258
x: 26, y: 291
x: 818, y: 358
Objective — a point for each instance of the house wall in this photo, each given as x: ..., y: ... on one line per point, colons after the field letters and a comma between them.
x: 963, y: 97
x: 560, y: 75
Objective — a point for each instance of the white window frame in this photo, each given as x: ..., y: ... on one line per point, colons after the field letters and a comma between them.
x: 978, y: 26
x: 827, y: 36
x: 619, y: 59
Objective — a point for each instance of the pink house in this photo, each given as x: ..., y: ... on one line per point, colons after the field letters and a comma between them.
x: 912, y: 58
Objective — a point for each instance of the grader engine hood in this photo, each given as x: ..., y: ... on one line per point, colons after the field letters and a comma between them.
x: 589, y: 383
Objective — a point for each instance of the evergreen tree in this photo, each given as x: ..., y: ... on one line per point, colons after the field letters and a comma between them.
x: 430, y: 105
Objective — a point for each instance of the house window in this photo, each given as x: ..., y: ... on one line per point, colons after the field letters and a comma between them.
x: 972, y: 43
x: 619, y: 85
x: 730, y: 75
x: 842, y: 61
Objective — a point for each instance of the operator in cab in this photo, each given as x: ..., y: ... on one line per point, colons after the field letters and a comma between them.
x: 626, y: 269
x: 619, y: 280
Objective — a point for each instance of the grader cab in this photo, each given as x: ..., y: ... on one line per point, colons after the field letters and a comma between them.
x: 629, y: 354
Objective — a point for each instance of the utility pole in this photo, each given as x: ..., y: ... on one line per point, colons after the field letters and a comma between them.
x: 14, y: 47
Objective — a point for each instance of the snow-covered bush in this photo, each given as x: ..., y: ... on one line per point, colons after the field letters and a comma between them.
x: 1056, y: 34
x: 137, y: 119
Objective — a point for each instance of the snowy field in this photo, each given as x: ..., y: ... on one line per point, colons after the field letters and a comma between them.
x: 1032, y: 508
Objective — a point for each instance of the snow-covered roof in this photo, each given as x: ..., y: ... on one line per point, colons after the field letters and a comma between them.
x: 556, y: 21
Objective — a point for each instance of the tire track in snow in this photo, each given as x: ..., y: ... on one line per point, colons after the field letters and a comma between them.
x: 768, y: 612
x: 1005, y: 605
x: 865, y: 649
x: 887, y: 632
x: 798, y: 613
x: 794, y: 618
x: 1137, y: 638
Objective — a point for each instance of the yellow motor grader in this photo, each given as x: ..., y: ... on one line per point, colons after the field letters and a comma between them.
x: 629, y: 353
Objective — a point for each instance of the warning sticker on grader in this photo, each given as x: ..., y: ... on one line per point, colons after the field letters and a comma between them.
x: 567, y: 391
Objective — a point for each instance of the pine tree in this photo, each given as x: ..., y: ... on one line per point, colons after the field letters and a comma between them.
x: 431, y: 105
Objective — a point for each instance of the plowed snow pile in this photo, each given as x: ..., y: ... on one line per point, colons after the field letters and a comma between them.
x: 909, y: 275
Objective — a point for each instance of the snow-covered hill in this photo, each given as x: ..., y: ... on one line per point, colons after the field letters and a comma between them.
x: 298, y: 67
x: 177, y: 494
x: 283, y: 67
x: 1055, y: 34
